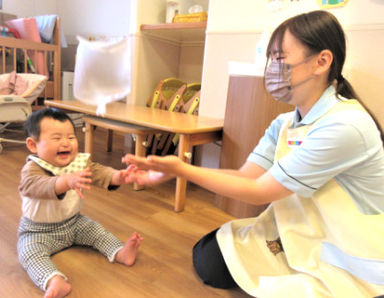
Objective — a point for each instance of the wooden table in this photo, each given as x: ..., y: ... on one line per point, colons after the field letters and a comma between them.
x: 193, y: 130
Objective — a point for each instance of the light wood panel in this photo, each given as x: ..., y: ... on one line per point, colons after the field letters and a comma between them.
x: 249, y: 111
x: 144, y: 116
x: 164, y: 265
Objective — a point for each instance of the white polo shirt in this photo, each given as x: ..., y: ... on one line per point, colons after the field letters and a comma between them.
x: 345, y: 146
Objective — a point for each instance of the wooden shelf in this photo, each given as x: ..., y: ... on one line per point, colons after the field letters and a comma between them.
x: 181, y: 32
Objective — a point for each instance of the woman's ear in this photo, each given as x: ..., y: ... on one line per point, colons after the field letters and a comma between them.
x: 324, y: 61
x: 31, y: 144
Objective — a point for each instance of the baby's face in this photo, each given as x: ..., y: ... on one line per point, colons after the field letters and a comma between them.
x: 57, y: 144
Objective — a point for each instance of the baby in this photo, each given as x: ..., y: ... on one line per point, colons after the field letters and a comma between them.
x: 51, y: 187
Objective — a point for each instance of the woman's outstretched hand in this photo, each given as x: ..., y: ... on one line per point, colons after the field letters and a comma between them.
x: 167, y: 164
x: 151, y: 170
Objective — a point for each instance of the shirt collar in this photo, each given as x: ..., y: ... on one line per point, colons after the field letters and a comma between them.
x: 326, y: 101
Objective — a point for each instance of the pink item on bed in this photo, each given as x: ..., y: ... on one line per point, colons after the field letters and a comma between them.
x: 14, y: 85
x: 17, y: 83
x: 27, y: 28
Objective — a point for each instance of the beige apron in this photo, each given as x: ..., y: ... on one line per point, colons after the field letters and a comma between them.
x: 331, y: 249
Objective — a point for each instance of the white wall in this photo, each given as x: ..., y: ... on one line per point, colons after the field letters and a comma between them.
x: 88, y: 18
x: 94, y: 18
x: 250, y: 15
x: 28, y: 8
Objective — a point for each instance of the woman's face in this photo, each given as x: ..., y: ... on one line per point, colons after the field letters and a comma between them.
x: 293, y: 52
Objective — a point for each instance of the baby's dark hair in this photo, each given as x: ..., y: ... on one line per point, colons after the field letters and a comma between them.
x: 32, y: 125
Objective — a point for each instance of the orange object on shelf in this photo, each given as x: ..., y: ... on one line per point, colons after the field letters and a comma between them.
x: 191, y: 17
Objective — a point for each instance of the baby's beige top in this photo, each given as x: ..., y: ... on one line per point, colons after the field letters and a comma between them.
x: 40, y: 203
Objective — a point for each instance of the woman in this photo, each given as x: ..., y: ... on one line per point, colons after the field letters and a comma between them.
x: 321, y: 167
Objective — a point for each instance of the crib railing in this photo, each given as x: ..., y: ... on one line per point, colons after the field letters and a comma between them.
x: 15, y: 55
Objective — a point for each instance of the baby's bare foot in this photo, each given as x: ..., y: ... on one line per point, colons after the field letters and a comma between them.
x: 58, y: 287
x: 127, y: 255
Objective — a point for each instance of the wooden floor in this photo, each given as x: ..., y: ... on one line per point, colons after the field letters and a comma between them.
x: 164, y: 266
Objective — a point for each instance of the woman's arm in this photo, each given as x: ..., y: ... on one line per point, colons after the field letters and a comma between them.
x: 251, y: 184
x: 257, y: 191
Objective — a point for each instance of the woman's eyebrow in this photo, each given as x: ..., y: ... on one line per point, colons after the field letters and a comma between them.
x: 276, y: 52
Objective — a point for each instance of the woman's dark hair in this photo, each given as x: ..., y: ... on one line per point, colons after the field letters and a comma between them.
x: 32, y: 125
x: 319, y: 30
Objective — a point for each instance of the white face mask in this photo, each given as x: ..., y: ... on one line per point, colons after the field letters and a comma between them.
x: 278, y: 79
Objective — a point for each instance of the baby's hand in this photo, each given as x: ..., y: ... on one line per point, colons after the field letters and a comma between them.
x: 79, y: 181
x: 119, y: 177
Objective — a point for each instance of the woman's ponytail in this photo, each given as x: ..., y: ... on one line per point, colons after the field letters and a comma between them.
x: 344, y: 88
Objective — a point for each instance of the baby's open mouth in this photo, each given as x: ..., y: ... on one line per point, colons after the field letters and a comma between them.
x: 63, y: 153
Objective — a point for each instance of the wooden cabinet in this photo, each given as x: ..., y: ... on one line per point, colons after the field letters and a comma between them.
x: 249, y: 111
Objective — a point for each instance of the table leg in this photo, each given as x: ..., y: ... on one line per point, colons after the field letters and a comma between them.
x: 88, y: 142
x: 181, y: 183
x: 109, y: 140
x: 139, y: 151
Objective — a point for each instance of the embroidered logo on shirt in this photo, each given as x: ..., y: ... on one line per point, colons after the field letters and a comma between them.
x: 294, y: 143
x: 295, y: 136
